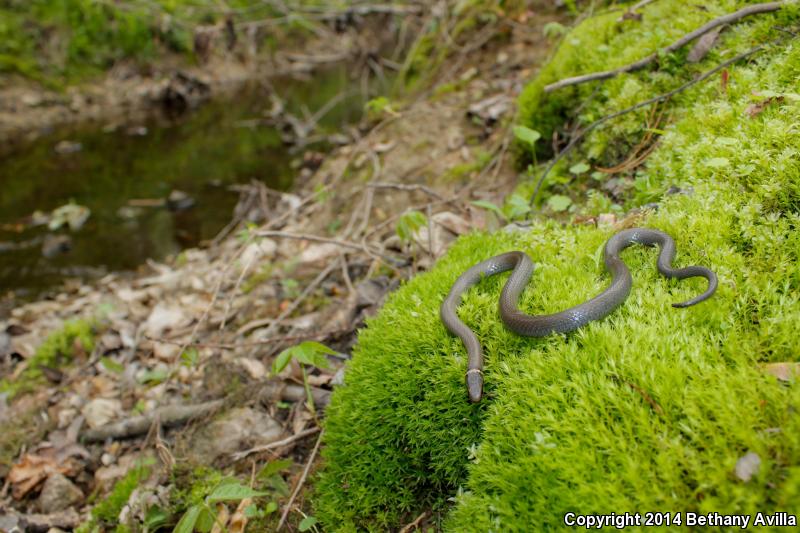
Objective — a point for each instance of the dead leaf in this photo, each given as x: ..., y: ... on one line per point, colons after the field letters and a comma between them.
x: 703, y: 46
x: 755, y: 109
x: 221, y: 520
x: 782, y: 371
x: 238, y: 521
x: 32, y: 470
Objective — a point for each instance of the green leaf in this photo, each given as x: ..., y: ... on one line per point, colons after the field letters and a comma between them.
x: 526, y: 135
x: 157, y: 375
x: 270, y: 508
x: 190, y: 357
x: 580, y: 168
x: 206, y: 519
x: 308, y: 353
x: 409, y: 224
x: 274, y: 467
x: 490, y: 207
x: 155, y: 518
x: 232, y: 492
x: 111, y: 365
x: 517, y: 207
x: 281, y: 361
x: 559, y: 202
x: 717, y: 162
x: 251, y: 511
x: 554, y: 29
x: 307, y: 523
x: 188, y: 520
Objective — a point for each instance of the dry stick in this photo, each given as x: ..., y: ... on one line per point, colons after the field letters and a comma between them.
x: 237, y: 456
x: 253, y: 344
x: 689, y: 37
x: 300, y: 483
x: 406, y: 187
x: 168, y: 415
x: 300, y: 299
x: 415, y: 524
x: 316, y: 238
x: 644, y: 103
x: 171, y: 415
x: 633, y: 9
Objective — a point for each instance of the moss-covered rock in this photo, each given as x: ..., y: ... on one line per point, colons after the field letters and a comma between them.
x: 648, y: 409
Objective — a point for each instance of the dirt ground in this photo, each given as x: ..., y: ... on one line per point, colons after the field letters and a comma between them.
x: 180, y: 367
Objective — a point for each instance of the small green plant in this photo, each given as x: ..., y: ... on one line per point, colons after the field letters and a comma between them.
x: 202, y: 517
x: 516, y: 207
x: 56, y: 351
x: 107, y: 511
x: 308, y: 353
x: 380, y: 106
x: 409, y: 224
x: 526, y: 135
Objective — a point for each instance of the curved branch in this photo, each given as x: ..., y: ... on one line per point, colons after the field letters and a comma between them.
x: 689, y: 37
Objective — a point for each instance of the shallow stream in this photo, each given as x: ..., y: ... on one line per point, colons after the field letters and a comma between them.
x: 123, y: 175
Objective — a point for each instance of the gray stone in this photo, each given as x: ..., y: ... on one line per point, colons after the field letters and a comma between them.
x: 238, y: 428
x: 58, y: 494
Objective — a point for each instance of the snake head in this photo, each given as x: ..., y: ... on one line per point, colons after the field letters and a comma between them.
x: 474, y: 380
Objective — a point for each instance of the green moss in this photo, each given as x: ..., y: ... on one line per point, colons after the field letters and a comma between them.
x: 648, y: 409
x: 56, y: 351
x: 601, y: 43
x: 70, y: 40
x: 107, y: 511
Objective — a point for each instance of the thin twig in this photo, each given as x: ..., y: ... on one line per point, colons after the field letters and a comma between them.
x: 300, y: 482
x: 253, y: 344
x: 415, y: 524
x: 644, y: 103
x: 315, y: 238
x: 689, y: 37
x: 633, y: 9
x: 406, y: 187
x: 277, y: 444
x: 311, y: 287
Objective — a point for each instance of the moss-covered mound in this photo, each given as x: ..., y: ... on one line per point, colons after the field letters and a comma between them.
x: 648, y: 409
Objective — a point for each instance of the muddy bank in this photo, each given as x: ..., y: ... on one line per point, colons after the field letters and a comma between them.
x: 130, y: 92
x: 203, y: 331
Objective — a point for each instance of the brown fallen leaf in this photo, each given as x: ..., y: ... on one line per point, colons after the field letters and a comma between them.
x: 238, y: 521
x: 32, y: 470
x: 782, y: 371
x: 703, y: 46
x: 756, y: 108
x: 221, y: 520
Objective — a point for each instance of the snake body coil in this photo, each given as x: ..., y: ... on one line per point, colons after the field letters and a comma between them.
x: 569, y: 319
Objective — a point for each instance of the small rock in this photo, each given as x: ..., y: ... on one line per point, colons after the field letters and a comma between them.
x: 164, y: 317
x: 605, y: 220
x: 253, y: 367
x: 319, y: 253
x: 68, y: 147
x: 58, y: 493
x: 165, y: 351
x: 263, y: 249
x: 137, y: 131
x: 748, y: 466
x: 101, y: 411
x: 452, y: 223
x: 179, y: 201
x: 32, y: 100
x: 54, y: 245
x: 237, y: 429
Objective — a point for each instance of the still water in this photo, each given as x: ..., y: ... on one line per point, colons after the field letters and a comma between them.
x: 122, y: 176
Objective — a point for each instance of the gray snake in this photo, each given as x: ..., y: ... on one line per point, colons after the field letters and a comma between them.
x: 569, y: 319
